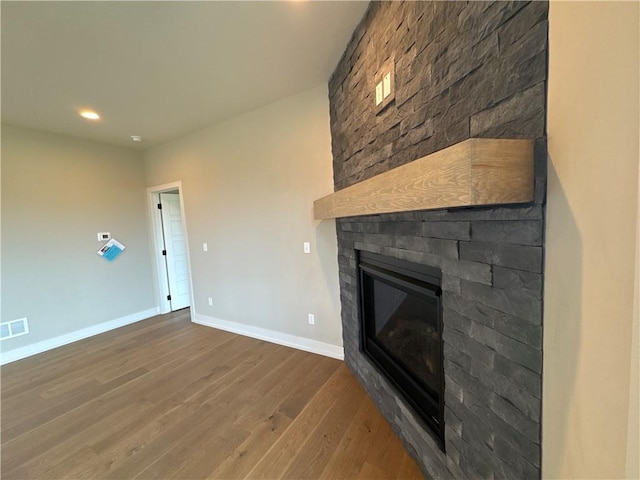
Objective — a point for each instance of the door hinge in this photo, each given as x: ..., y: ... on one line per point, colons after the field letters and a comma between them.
x: 164, y: 252
x: 159, y: 206
x: 168, y: 297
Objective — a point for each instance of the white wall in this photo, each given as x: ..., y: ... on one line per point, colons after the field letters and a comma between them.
x: 57, y: 193
x: 249, y: 186
x: 590, y: 393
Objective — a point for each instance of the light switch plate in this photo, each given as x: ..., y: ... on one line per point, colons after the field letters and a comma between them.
x: 386, y: 85
x: 384, y: 80
x: 379, y: 96
x: 306, y: 247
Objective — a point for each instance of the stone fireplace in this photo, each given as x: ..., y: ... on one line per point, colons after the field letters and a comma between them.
x: 462, y: 70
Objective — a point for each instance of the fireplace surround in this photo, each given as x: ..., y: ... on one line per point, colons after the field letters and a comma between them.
x: 462, y: 70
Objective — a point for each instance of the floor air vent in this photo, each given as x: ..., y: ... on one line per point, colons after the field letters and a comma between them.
x: 14, y: 328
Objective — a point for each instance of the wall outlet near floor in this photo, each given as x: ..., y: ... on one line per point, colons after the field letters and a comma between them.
x: 210, y: 301
x: 312, y: 319
x: 306, y: 247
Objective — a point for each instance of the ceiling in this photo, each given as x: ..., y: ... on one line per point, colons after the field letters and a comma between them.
x: 162, y: 69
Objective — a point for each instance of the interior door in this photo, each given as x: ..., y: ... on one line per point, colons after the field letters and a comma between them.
x: 176, y: 251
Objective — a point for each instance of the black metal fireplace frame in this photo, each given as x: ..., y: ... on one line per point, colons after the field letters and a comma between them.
x: 420, y: 280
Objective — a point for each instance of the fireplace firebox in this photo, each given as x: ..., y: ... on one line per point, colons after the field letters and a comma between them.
x: 401, y: 331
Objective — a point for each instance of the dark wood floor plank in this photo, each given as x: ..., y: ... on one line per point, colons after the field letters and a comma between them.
x: 284, y: 451
x: 32, y: 371
x: 320, y: 446
x: 45, y: 392
x: 351, y: 452
x: 15, y: 423
x: 263, y: 434
x: 166, y: 398
x: 173, y: 408
x: 64, y: 427
x: 213, y: 405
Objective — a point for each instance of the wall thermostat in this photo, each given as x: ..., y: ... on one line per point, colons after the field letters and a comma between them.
x: 104, y: 236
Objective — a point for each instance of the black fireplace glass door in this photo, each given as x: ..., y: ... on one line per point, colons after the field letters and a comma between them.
x: 406, y: 326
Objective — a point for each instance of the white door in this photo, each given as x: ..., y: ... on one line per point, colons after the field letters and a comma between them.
x: 176, y: 251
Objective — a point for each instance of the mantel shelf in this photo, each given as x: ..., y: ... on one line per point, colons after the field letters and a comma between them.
x: 478, y: 171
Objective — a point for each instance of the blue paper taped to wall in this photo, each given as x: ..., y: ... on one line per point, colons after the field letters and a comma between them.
x: 111, y: 250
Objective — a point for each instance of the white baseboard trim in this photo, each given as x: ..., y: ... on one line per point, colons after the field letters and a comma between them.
x: 301, y: 343
x: 55, y: 342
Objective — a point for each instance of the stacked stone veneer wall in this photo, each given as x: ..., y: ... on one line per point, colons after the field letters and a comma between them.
x: 462, y: 70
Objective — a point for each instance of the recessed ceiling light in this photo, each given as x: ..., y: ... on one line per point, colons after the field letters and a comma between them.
x: 90, y: 115
x: 136, y: 138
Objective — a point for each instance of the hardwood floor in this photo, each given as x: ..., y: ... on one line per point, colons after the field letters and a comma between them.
x: 165, y: 398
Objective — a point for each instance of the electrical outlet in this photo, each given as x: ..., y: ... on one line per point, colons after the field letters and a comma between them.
x: 312, y: 319
x: 210, y: 301
x: 306, y: 247
x: 205, y: 247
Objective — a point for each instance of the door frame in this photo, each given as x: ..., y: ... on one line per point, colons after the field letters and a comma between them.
x: 156, y: 236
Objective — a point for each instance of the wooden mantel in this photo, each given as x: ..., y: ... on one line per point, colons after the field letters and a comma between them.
x: 478, y: 171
